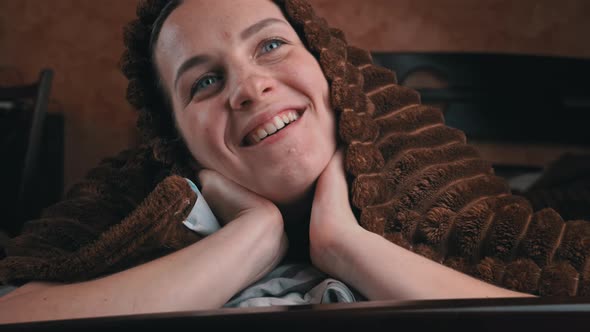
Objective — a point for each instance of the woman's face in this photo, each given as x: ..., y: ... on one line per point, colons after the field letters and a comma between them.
x: 249, y: 100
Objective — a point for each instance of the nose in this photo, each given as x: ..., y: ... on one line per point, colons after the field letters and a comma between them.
x: 250, y: 88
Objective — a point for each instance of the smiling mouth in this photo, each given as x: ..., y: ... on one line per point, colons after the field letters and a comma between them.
x: 271, y: 127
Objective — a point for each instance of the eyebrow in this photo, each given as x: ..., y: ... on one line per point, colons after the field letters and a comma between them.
x: 254, y: 28
x: 247, y: 33
x: 191, y: 62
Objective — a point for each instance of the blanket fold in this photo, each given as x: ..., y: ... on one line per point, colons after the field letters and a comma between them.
x: 111, y: 221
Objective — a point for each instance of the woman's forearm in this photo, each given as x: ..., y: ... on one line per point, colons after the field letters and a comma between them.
x: 382, y: 270
x: 201, y: 276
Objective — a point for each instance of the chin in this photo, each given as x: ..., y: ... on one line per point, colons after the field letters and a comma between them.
x: 290, y: 180
x: 290, y: 192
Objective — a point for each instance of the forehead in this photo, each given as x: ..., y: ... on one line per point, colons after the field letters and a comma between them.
x: 203, y: 25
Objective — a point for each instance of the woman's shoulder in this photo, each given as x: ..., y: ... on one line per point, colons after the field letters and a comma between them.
x: 107, y: 193
x: 111, y: 199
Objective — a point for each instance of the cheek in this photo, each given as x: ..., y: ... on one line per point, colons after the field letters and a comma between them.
x: 186, y: 124
x: 203, y: 133
x: 312, y: 77
x: 193, y: 132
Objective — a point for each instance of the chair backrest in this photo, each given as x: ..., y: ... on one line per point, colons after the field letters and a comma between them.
x: 32, y: 98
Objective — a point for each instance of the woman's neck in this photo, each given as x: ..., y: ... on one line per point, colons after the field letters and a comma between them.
x: 296, y: 217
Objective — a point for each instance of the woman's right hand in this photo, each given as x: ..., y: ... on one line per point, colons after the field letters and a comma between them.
x: 229, y: 200
x: 232, y: 203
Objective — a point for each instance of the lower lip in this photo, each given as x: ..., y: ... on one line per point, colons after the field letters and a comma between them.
x: 279, y: 135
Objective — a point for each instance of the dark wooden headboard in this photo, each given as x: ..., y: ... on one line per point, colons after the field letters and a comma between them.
x: 518, y: 109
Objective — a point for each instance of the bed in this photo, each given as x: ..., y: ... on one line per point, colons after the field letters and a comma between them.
x: 525, y: 114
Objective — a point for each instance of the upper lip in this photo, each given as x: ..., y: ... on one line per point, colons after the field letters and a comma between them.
x: 264, y: 117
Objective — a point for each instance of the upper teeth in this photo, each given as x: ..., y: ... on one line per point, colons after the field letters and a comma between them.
x: 272, y: 126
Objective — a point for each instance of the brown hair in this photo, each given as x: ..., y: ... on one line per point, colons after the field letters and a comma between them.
x: 155, y: 119
x: 155, y: 122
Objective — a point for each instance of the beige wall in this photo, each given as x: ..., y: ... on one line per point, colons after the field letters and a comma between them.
x: 82, y: 41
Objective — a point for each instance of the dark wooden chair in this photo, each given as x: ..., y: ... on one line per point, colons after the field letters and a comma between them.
x: 23, y: 110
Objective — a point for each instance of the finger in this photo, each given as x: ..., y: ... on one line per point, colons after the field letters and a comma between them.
x: 213, y: 193
x: 332, y: 185
x: 337, y: 161
x: 225, y: 197
x: 336, y: 175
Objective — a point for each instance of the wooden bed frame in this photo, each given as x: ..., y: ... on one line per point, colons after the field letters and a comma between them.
x: 516, y: 314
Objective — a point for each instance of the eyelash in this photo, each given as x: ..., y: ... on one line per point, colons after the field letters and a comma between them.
x: 196, y: 85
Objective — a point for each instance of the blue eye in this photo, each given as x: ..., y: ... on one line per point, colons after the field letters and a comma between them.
x: 204, y: 83
x: 272, y: 45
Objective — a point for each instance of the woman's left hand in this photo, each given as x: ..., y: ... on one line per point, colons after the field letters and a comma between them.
x: 331, y: 214
x: 369, y: 263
